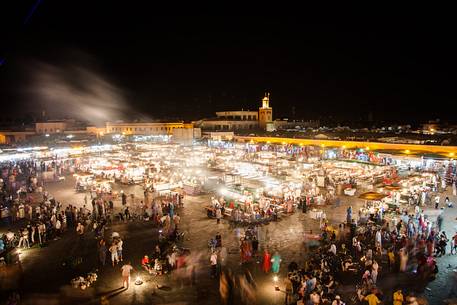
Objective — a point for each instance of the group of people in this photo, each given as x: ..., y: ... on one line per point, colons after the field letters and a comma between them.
x: 355, y: 252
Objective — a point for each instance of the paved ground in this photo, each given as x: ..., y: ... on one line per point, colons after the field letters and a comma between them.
x: 46, y: 280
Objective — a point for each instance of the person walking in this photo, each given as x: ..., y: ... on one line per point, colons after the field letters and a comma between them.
x: 372, y: 299
x: 276, y: 263
x: 102, y: 252
x: 437, y: 201
x: 439, y: 222
x: 58, y: 227
x: 374, y: 271
x: 213, y: 261
x: 218, y: 215
x: 454, y: 244
x: 304, y: 206
x: 266, y: 266
x: 289, y: 289
x: 403, y: 259
x: 126, y: 269
x: 80, y: 230
x: 24, y: 239
x: 398, y: 297
x: 113, y: 251
x: 349, y: 214
x: 120, y: 245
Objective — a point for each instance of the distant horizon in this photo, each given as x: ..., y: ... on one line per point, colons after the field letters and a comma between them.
x: 34, y: 117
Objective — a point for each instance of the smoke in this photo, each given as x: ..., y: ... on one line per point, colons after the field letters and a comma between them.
x: 77, y: 92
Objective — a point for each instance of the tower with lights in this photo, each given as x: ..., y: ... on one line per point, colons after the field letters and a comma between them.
x: 265, y: 112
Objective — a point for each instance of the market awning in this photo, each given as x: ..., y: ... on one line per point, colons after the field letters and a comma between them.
x: 372, y: 196
x: 392, y: 188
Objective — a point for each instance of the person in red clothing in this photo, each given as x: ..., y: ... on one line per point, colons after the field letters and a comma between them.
x: 266, y: 266
x: 180, y: 261
x: 145, y: 263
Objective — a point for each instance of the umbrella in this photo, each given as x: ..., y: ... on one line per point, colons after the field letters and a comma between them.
x: 392, y: 187
x: 372, y: 196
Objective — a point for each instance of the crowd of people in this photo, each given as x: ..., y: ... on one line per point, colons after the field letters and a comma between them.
x: 405, y: 246
x: 355, y: 252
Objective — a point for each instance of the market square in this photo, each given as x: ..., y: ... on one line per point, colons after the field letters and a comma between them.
x: 186, y: 153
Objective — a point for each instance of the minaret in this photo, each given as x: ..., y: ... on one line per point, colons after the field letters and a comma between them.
x: 265, y: 112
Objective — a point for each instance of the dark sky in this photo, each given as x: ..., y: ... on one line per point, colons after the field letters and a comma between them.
x: 190, y: 64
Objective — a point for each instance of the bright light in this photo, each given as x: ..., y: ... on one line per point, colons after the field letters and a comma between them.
x: 223, y: 191
x: 407, y: 151
x: 46, y: 135
x: 451, y: 154
x: 367, y: 148
x: 275, y: 279
x: 344, y: 147
x: 70, y: 136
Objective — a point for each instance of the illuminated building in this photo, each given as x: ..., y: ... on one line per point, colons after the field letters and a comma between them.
x: 265, y: 112
x: 152, y: 128
x: 239, y: 120
x: 53, y: 126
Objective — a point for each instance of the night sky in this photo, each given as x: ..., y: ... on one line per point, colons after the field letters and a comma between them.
x: 171, y: 64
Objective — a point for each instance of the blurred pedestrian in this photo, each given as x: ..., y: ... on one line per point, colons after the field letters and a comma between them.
x: 126, y: 269
x: 213, y: 261
x: 102, y: 252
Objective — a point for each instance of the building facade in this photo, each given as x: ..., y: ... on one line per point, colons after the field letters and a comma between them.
x: 51, y: 127
x: 155, y: 128
x: 240, y: 120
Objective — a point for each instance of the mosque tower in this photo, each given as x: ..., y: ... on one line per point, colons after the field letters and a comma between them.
x: 265, y: 112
